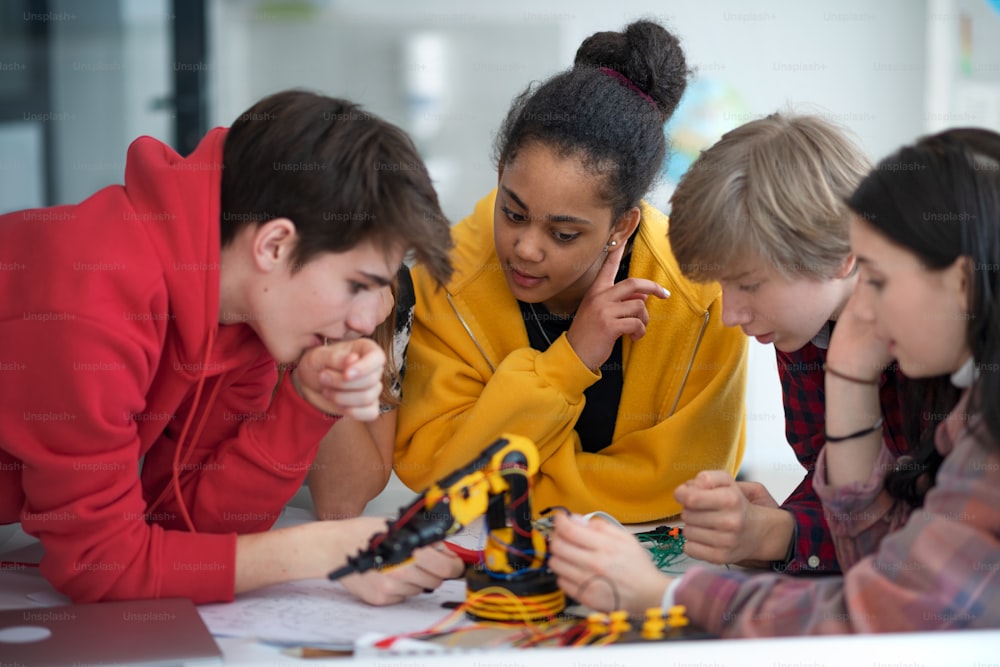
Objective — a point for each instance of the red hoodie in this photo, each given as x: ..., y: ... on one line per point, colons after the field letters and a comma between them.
x: 110, y: 349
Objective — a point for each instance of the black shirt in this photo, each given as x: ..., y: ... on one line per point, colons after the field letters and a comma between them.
x: 596, y: 425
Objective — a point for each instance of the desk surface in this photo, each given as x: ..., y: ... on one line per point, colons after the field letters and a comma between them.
x: 25, y: 588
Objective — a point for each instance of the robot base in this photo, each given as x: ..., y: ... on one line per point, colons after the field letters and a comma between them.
x: 532, y: 596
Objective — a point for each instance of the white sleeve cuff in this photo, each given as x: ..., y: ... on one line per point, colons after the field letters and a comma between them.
x: 668, y: 595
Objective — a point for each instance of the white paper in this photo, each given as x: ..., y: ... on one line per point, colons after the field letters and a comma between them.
x: 321, y: 611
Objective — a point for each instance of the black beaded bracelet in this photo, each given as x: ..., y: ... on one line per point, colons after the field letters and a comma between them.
x: 849, y: 378
x: 865, y: 431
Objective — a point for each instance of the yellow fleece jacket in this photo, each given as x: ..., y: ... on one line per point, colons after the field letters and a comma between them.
x: 471, y: 375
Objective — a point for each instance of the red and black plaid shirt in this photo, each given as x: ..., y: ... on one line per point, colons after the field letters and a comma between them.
x: 803, y: 395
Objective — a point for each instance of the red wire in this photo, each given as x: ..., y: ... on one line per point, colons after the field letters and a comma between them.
x: 468, y: 556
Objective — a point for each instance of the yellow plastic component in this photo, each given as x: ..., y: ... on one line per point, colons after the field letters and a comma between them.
x: 496, y: 555
x: 619, y: 621
x: 479, y: 485
x: 652, y: 627
x: 677, y: 616
x: 597, y: 623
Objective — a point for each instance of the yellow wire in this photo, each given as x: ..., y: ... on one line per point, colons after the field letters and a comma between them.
x: 498, y: 603
x: 490, y: 607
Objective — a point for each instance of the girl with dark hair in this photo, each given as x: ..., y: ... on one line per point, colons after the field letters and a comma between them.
x: 926, y: 232
x: 568, y: 320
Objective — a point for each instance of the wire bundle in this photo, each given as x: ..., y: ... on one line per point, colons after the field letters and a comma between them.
x: 665, y: 544
x: 499, y: 604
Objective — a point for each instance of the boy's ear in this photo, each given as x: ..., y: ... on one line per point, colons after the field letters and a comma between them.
x: 626, y: 223
x: 272, y: 243
x: 847, y: 267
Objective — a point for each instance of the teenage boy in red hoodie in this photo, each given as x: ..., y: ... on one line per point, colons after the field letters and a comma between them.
x: 142, y: 439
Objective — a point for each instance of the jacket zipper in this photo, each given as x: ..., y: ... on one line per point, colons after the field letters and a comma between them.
x: 697, y: 344
x: 493, y: 369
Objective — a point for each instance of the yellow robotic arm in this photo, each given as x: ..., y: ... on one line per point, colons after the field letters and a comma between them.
x: 497, y: 484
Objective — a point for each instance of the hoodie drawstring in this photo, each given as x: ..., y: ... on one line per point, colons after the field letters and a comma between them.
x: 175, y: 484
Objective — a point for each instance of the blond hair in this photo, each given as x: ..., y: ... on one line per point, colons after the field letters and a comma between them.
x: 775, y: 187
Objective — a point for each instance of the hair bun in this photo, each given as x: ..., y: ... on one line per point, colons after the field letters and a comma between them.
x: 645, y: 52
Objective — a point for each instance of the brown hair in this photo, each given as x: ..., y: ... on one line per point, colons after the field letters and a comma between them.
x: 340, y: 174
x: 384, y: 335
x: 776, y: 187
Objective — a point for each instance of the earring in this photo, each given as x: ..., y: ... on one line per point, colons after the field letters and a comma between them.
x: 609, y: 246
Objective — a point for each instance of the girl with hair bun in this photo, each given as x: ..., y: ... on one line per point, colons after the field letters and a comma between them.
x: 568, y: 320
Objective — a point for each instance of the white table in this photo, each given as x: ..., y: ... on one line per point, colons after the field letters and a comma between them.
x: 25, y: 588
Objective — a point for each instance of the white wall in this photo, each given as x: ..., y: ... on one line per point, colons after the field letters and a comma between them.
x: 963, y: 76
x: 375, y: 60
x: 861, y: 61
x: 109, y: 64
x: 21, y: 173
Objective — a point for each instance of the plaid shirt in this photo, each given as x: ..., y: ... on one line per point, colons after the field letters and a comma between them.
x: 933, y: 568
x: 803, y: 395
